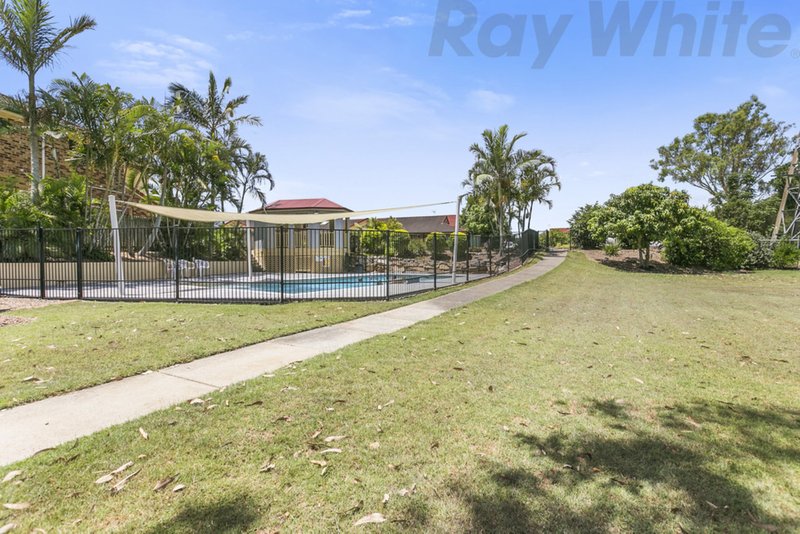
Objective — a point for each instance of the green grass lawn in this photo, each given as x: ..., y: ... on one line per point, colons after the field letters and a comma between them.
x: 589, y: 400
x: 80, y: 344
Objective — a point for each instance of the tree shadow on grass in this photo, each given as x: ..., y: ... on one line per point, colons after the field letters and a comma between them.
x: 234, y: 514
x: 643, y: 475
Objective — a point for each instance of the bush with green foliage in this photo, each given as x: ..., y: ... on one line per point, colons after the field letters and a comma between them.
x: 437, y: 242
x: 559, y: 238
x: 761, y: 255
x: 462, y: 244
x: 416, y: 248
x: 611, y: 249
x: 371, y: 237
x: 580, y: 233
x: 786, y: 256
x: 64, y: 204
x: 701, y: 240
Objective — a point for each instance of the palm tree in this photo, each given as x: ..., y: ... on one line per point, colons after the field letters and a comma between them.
x: 497, y: 165
x: 216, y: 116
x: 253, y: 174
x: 29, y: 42
x: 536, y: 180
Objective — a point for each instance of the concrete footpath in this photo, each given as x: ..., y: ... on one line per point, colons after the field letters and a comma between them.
x: 41, y: 425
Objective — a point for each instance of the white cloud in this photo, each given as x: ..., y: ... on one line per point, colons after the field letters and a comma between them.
x: 489, y: 101
x: 364, y: 108
x: 159, y: 61
x: 352, y: 14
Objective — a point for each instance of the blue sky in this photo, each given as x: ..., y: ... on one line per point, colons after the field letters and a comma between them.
x: 356, y: 110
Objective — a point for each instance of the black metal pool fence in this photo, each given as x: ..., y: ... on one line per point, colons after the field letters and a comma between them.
x: 239, y: 264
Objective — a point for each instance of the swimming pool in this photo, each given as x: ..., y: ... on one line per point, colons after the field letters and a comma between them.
x: 311, y: 285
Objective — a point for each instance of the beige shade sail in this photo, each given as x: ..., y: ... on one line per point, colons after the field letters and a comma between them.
x: 184, y: 214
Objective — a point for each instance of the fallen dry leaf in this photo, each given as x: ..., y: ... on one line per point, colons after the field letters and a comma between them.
x: 11, y: 475
x: 178, y: 488
x: 321, y: 463
x: 144, y: 434
x: 375, y: 445
x: 104, y: 479
x: 316, y: 434
x: 370, y: 519
x: 163, y: 483
x: 331, y: 439
x: 331, y: 451
x: 122, y: 468
x: 639, y: 380
x: 7, y: 528
x: 17, y: 505
x: 195, y: 402
x: 266, y: 468
x: 119, y: 486
x: 385, y: 498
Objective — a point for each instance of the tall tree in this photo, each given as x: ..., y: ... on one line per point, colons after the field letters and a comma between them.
x: 497, y: 165
x: 253, y: 174
x: 537, y: 179
x: 29, y: 42
x: 217, y: 116
x: 732, y: 156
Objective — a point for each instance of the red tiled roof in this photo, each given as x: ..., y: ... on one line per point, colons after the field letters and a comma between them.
x: 305, y: 204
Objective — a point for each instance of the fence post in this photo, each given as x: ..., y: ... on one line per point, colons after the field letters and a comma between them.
x: 490, y: 256
x: 388, y: 260
x: 467, y: 251
x: 42, y: 292
x: 79, y: 261
x: 435, y: 261
x: 177, y: 260
x: 281, y: 231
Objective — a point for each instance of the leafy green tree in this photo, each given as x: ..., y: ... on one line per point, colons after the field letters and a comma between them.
x: 580, y: 230
x: 641, y: 215
x: 731, y: 156
x: 29, y: 42
x: 477, y: 217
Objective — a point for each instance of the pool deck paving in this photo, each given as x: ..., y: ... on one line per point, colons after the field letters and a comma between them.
x: 41, y: 425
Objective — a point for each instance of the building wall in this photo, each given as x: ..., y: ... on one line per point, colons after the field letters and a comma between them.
x: 15, y: 158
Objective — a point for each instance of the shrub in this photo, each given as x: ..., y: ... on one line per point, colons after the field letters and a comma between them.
x: 440, y: 241
x: 462, y: 244
x: 559, y: 238
x: 786, y: 255
x: 611, y: 249
x: 701, y: 240
x: 415, y: 248
x: 372, y: 237
x: 761, y: 255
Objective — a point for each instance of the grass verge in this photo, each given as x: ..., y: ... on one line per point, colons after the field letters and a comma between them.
x: 588, y: 400
x: 76, y: 345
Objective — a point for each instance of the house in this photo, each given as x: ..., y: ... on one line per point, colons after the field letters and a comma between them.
x: 303, y: 248
x: 445, y: 224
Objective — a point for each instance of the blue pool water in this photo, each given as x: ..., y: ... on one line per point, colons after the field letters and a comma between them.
x: 332, y: 283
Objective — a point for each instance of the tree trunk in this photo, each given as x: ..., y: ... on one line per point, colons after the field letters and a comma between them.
x: 639, y: 245
x: 33, y: 141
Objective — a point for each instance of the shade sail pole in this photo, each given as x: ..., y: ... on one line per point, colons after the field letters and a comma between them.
x: 455, y: 236
x: 248, y: 228
x: 112, y: 209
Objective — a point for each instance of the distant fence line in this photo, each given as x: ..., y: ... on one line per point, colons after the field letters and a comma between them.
x: 238, y: 264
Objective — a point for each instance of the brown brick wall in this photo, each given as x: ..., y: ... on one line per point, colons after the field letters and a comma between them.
x: 15, y: 157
